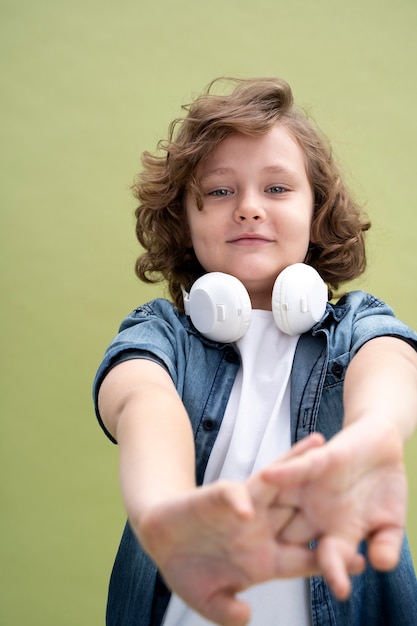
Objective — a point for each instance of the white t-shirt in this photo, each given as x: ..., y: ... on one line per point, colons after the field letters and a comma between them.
x: 256, y: 430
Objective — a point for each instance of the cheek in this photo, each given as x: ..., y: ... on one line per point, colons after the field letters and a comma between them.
x: 187, y: 236
x: 298, y: 228
x: 189, y: 228
x: 194, y: 235
x: 203, y: 246
x: 202, y: 228
x: 193, y: 221
x: 199, y: 242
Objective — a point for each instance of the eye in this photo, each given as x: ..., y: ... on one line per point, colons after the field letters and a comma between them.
x: 276, y: 189
x: 219, y: 193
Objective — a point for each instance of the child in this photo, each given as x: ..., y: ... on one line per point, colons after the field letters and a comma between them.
x: 260, y: 467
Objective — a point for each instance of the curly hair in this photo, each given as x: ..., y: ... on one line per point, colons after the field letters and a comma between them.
x: 253, y: 107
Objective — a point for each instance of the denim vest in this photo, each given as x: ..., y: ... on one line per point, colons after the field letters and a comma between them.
x: 203, y: 373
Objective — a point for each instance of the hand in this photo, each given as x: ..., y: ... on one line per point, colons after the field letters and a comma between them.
x: 217, y: 540
x: 351, y: 489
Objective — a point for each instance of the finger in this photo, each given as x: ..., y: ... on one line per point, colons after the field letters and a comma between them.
x: 303, y: 467
x: 298, y: 531
x: 230, y: 496
x: 262, y: 492
x: 334, y: 571
x: 263, y: 489
x: 226, y: 609
x: 279, y: 517
x: 295, y: 561
x: 315, y: 440
x: 384, y: 548
x: 337, y: 559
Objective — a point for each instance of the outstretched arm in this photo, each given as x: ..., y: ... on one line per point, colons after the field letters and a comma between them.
x: 143, y: 412
x: 208, y: 542
x: 354, y: 487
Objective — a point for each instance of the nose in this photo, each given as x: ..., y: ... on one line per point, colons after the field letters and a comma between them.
x: 248, y: 208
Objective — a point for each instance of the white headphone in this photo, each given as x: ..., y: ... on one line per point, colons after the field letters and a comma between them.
x: 220, y: 308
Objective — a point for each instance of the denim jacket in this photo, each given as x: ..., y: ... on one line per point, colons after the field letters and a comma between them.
x: 203, y: 373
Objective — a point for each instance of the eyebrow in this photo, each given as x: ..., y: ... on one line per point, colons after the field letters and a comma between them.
x: 269, y: 169
x: 218, y: 171
x: 281, y: 170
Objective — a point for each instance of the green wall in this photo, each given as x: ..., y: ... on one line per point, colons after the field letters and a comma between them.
x: 86, y: 87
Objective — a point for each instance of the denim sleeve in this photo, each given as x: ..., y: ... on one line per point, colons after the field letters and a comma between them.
x: 151, y: 332
x: 371, y: 318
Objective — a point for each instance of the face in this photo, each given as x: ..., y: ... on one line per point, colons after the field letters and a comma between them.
x: 257, y: 210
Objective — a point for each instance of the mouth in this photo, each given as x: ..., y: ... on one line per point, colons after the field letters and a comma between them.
x: 250, y: 239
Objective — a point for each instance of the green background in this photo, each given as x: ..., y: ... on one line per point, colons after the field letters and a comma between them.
x: 87, y: 85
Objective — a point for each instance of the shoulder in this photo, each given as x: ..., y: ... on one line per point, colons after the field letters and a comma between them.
x: 158, y: 309
x: 158, y: 331
x: 358, y: 317
x: 158, y: 323
x: 153, y: 331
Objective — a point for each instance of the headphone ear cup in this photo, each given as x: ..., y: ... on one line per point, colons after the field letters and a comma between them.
x: 299, y: 299
x: 219, y: 307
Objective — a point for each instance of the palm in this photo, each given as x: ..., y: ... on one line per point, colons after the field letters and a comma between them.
x: 204, y: 537
x: 344, y: 495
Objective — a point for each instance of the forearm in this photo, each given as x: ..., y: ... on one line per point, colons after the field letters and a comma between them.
x: 354, y: 487
x: 143, y: 412
x: 381, y: 385
x: 156, y: 452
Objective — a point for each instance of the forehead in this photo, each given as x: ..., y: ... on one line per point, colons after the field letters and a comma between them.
x: 276, y: 149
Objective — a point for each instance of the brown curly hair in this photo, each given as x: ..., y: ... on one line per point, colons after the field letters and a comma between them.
x: 253, y: 107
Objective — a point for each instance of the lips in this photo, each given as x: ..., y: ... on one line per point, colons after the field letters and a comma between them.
x: 250, y: 239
